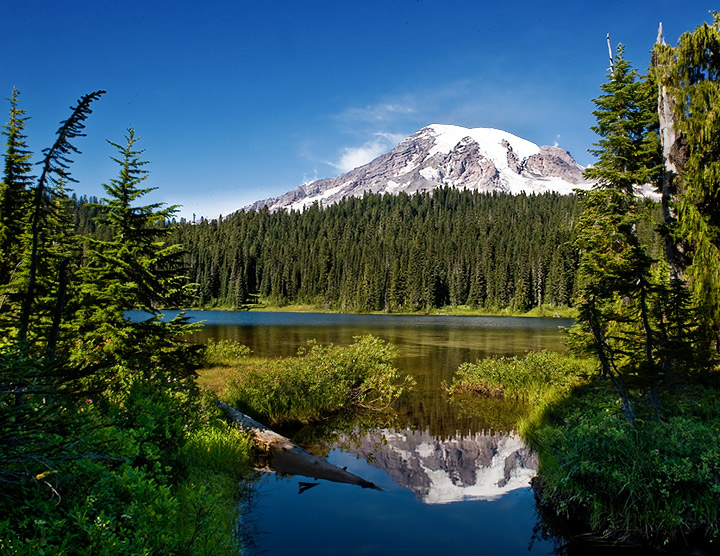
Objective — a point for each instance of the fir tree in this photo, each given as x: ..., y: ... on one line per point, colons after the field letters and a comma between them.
x: 137, y: 269
x: 14, y: 189
x: 47, y: 196
x: 614, y: 269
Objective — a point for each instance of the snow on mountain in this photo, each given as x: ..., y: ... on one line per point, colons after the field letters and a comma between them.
x: 480, y: 466
x: 481, y: 159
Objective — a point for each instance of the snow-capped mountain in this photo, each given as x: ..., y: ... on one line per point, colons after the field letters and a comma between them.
x: 480, y: 466
x: 481, y: 159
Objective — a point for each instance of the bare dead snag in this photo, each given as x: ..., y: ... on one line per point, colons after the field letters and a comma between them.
x: 288, y: 458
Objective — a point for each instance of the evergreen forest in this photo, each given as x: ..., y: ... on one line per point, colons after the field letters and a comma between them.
x: 393, y: 253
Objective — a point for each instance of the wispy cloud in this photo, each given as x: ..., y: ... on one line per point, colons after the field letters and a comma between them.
x: 526, y: 108
x: 353, y: 157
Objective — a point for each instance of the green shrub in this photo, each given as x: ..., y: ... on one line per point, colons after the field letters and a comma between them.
x: 656, y: 481
x: 528, y: 378
x: 223, y: 353
x: 319, y: 381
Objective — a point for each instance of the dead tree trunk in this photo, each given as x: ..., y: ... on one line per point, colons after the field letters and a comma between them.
x: 674, y: 153
x: 290, y: 459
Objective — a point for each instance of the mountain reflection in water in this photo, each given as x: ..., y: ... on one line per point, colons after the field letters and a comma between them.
x: 479, y: 466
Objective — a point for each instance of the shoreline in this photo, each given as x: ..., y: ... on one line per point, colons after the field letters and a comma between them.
x: 455, y: 311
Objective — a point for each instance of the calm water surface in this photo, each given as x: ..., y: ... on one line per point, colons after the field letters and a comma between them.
x: 454, y: 481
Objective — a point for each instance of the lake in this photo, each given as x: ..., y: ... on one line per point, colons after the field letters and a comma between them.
x: 454, y: 480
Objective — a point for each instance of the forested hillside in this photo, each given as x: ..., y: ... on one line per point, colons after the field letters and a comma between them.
x: 391, y: 253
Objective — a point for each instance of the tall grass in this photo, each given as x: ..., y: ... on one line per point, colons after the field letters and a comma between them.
x: 320, y: 381
x: 528, y: 378
x: 223, y: 353
x: 215, y: 459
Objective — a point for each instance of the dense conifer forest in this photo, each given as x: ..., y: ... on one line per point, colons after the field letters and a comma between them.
x: 391, y: 253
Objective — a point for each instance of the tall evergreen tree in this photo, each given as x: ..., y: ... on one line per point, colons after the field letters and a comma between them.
x: 614, y: 269
x: 690, y: 76
x: 14, y: 189
x: 42, y: 220
x: 137, y: 269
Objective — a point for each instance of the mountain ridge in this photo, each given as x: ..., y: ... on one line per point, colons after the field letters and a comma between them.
x: 483, y: 159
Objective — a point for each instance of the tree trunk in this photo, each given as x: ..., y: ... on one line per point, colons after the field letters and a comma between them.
x: 674, y: 153
x: 290, y: 459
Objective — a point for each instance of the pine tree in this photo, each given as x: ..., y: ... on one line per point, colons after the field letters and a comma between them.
x: 137, y: 269
x: 14, y: 189
x: 614, y: 270
x: 47, y: 196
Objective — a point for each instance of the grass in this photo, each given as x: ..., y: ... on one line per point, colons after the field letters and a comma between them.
x: 653, y: 482
x: 552, y: 311
x: 216, y: 457
x: 526, y: 379
x: 320, y: 381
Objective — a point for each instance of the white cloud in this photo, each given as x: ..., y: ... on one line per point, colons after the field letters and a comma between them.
x: 353, y: 157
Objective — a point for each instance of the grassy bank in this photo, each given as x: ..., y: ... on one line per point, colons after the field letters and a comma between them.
x: 550, y: 311
x: 533, y: 378
x: 655, y: 482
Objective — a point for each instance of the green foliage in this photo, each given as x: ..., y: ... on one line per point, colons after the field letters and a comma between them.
x: 654, y: 482
x: 530, y: 378
x: 47, y: 223
x: 14, y: 190
x: 319, y: 381
x: 105, y: 445
x: 390, y: 253
x: 218, y: 448
x: 109, y: 504
x: 135, y: 269
x: 692, y: 75
x: 139, y: 268
x: 628, y: 150
x: 629, y: 315
x: 223, y: 353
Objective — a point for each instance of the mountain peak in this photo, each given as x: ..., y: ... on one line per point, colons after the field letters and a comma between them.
x: 482, y: 159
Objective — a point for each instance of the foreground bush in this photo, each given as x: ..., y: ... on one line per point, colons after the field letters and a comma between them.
x: 164, y: 479
x: 321, y: 380
x: 655, y: 481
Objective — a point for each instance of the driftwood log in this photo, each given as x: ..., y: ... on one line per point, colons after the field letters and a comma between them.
x: 288, y: 458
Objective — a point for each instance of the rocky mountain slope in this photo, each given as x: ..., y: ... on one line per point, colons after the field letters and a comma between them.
x: 480, y: 466
x: 481, y: 159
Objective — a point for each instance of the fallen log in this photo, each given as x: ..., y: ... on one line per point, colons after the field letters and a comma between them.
x: 288, y: 458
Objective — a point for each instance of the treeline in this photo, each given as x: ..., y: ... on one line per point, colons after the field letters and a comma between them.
x: 391, y: 253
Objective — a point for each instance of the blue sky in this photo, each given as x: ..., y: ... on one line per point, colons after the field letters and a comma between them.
x: 239, y: 101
